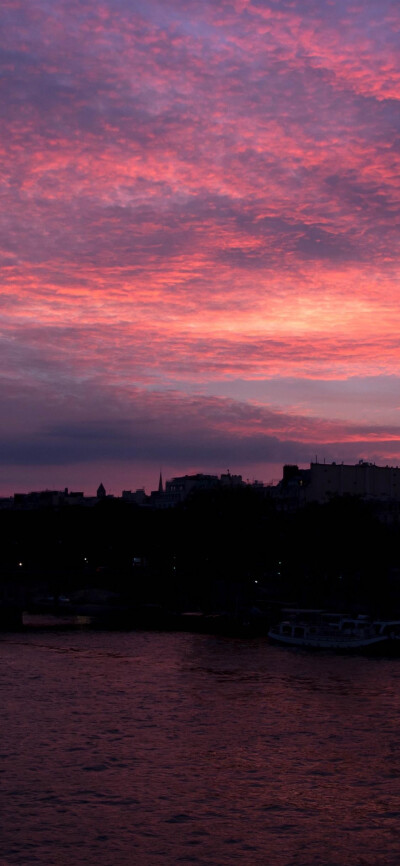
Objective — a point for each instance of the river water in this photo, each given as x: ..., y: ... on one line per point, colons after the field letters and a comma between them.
x: 148, y: 748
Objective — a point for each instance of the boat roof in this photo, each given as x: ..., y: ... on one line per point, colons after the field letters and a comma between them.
x: 304, y: 610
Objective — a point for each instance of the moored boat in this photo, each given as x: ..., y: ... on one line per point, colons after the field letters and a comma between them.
x: 328, y: 631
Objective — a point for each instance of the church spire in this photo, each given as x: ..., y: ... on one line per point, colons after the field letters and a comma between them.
x: 101, y: 491
x: 160, y: 484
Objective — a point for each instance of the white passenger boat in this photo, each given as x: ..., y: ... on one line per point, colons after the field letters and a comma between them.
x: 329, y: 631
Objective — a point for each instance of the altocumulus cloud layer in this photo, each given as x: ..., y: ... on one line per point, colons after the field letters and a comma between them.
x: 200, y: 235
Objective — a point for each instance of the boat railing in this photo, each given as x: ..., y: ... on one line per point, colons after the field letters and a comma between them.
x: 356, y: 630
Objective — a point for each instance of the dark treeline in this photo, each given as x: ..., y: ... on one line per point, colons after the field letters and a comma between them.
x: 217, y: 550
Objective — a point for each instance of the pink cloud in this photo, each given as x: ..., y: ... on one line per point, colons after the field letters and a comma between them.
x: 200, y: 192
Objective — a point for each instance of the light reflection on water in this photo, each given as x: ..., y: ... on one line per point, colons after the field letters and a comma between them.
x: 150, y: 749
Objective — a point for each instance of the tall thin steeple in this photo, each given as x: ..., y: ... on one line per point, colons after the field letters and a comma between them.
x: 160, y: 484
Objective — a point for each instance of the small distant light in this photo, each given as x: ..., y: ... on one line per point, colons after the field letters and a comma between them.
x: 256, y: 581
x: 20, y: 564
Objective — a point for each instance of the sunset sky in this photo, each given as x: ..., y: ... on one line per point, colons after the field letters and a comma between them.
x: 199, y: 238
